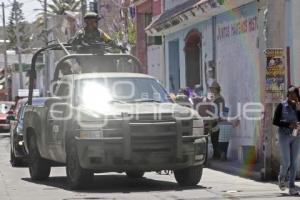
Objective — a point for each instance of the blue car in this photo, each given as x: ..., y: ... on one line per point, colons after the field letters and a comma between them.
x: 17, y: 151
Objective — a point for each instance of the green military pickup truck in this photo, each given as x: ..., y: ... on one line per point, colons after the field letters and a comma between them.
x: 113, y: 122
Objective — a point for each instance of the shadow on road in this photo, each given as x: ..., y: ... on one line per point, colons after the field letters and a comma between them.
x: 117, y: 184
x: 4, y: 135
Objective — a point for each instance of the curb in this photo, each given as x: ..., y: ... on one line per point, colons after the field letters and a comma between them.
x: 234, y: 170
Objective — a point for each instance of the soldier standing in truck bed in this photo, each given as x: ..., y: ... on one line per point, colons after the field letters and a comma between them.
x: 90, y: 34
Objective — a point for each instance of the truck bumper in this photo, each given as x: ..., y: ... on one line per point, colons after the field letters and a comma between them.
x: 121, y: 154
x: 5, y: 127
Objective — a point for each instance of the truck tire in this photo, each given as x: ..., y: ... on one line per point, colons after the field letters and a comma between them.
x: 77, y: 177
x: 14, y: 161
x: 39, y: 168
x: 135, y: 174
x: 189, y: 176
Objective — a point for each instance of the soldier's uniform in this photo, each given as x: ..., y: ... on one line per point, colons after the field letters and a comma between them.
x: 85, y: 37
x: 86, y: 41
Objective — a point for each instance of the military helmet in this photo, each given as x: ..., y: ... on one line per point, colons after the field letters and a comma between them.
x: 91, y: 15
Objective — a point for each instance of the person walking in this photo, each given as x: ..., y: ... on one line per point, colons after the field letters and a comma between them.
x: 287, y: 117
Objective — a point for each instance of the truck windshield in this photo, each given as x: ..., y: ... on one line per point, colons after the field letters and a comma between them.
x: 120, y: 90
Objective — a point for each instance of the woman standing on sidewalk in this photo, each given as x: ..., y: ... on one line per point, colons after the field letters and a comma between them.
x: 218, y: 100
x: 287, y: 118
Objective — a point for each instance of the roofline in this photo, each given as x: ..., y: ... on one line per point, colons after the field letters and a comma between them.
x: 175, y: 15
x: 198, y: 13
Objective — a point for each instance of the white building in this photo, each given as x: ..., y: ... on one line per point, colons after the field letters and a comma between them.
x: 223, y: 40
x: 292, y: 24
x: 204, y: 41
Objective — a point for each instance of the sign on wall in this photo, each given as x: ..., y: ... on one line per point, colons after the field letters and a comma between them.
x: 237, y: 27
x: 275, y: 74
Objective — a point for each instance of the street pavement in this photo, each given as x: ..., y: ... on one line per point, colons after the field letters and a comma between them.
x: 15, y: 184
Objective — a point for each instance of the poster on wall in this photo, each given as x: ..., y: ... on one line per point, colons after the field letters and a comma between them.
x: 275, y: 74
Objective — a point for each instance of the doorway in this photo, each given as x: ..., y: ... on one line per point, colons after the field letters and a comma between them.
x: 193, y: 58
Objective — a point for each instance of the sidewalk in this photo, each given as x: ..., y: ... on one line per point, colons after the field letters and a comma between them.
x: 236, y: 168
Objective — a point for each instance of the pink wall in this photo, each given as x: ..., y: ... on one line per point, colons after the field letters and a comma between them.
x: 141, y: 48
x: 156, y: 7
x: 149, y: 6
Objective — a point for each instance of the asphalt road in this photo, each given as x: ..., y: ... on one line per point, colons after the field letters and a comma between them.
x: 15, y: 184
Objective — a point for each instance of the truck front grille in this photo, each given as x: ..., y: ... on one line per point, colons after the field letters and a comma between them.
x: 153, y: 137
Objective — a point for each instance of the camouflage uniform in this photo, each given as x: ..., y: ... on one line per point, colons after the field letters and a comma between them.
x: 85, y: 37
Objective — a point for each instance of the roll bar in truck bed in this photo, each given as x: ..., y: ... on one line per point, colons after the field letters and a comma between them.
x: 66, y: 48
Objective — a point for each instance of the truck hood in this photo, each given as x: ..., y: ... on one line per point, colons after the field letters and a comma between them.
x: 117, y: 110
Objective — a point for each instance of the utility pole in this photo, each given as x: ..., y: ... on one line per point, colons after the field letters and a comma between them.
x: 18, y: 47
x: 47, y: 74
x: 125, y: 7
x: 5, y: 49
x: 126, y: 24
x: 83, y: 10
x: 274, y: 39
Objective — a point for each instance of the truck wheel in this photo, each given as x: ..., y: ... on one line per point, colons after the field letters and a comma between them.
x: 76, y: 176
x: 14, y: 161
x: 39, y: 168
x: 135, y: 174
x: 189, y: 176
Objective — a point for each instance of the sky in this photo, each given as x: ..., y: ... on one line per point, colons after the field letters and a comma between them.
x: 29, y: 7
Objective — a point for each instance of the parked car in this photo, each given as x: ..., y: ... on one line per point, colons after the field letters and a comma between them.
x: 17, y: 151
x: 6, y: 111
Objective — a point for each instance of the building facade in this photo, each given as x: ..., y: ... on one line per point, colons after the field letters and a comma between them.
x: 292, y: 40
x: 206, y: 40
x: 149, y: 49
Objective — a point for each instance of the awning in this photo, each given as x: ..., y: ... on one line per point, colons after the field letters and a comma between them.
x: 170, y: 17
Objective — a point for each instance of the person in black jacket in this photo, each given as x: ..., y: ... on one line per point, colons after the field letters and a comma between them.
x: 287, y: 118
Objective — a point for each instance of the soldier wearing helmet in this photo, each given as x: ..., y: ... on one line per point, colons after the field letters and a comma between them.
x: 90, y: 34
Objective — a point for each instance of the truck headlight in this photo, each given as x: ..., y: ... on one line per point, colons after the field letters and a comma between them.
x: 85, y: 134
x: 198, y: 127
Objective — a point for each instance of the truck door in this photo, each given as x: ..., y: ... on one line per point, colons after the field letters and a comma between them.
x: 57, y: 117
